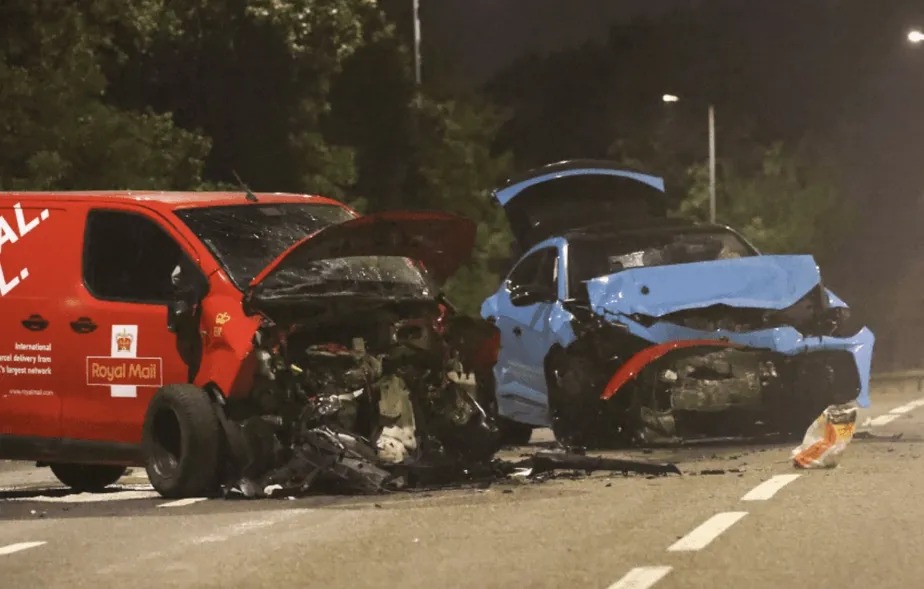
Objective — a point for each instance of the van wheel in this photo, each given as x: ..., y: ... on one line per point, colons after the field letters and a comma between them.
x: 181, y: 441
x: 90, y: 478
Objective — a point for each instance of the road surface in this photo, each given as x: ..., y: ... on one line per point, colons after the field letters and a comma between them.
x: 740, y: 516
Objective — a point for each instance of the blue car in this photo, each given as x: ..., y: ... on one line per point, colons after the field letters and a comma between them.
x: 618, y: 323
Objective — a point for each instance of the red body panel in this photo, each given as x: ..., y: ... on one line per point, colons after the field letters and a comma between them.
x: 227, y: 338
x: 639, y: 361
x: 94, y: 385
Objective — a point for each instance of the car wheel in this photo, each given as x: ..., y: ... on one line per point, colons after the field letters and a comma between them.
x: 87, y: 477
x: 570, y: 424
x: 513, y: 433
x: 182, y: 442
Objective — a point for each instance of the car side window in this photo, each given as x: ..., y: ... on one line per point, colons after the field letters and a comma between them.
x: 128, y: 257
x: 540, y: 268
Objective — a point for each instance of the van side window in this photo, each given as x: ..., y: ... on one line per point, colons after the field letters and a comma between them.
x: 128, y: 257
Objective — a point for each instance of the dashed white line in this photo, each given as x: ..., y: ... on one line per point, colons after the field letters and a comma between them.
x: 249, y: 526
x: 707, y: 531
x: 183, y: 502
x: 907, y: 407
x: 11, y: 548
x: 769, y: 488
x: 641, y: 577
x: 883, y: 419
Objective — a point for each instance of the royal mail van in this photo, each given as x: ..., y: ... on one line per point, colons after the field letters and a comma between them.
x: 92, y: 326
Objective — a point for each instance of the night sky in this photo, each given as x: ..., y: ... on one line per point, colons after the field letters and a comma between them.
x: 484, y: 35
x: 481, y: 36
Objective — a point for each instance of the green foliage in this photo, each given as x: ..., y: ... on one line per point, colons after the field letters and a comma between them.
x: 58, y: 129
x: 457, y: 172
x: 784, y: 201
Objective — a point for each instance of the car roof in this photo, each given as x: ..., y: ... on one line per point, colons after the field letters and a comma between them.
x: 172, y: 200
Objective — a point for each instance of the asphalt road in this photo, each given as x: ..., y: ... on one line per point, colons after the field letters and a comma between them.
x: 853, y: 526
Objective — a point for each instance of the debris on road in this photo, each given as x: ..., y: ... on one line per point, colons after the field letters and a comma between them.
x: 544, y: 462
x: 872, y: 436
x: 827, y: 438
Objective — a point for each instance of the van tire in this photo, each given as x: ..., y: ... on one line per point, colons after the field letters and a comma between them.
x: 89, y: 478
x: 181, y: 441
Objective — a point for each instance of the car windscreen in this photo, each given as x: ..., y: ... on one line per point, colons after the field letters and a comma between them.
x: 592, y: 257
x: 246, y: 238
x: 373, y: 276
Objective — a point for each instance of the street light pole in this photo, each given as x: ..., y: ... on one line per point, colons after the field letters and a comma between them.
x: 712, y: 182
x: 417, y: 41
x: 711, y: 164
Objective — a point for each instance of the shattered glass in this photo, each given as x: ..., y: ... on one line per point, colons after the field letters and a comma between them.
x: 245, y: 239
x: 592, y: 256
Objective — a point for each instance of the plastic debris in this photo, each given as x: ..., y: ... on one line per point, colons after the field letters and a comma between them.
x: 827, y: 438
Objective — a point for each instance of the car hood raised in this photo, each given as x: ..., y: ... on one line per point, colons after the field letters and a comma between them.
x: 442, y: 242
x: 759, y: 282
x: 576, y: 194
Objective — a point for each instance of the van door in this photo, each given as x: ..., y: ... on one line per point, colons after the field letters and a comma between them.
x: 119, y: 324
x: 37, y: 267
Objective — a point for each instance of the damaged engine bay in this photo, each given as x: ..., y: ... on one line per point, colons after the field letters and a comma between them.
x: 349, y: 403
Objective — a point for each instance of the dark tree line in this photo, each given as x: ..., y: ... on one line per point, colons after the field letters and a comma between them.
x: 318, y: 96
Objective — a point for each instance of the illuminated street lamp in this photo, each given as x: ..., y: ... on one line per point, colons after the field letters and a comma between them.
x: 673, y: 98
x: 916, y: 37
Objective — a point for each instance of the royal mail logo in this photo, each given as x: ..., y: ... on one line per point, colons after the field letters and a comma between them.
x: 122, y: 370
x: 124, y: 341
x: 128, y: 372
x: 222, y: 318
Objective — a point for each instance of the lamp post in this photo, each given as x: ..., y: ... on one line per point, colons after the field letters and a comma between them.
x: 668, y: 98
x: 417, y: 41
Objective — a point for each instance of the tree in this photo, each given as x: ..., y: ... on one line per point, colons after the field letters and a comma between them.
x: 255, y: 76
x: 59, y: 129
x: 784, y: 201
x: 456, y: 172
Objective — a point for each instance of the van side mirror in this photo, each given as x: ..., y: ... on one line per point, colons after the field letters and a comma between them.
x: 177, y: 312
x: 189, y: 288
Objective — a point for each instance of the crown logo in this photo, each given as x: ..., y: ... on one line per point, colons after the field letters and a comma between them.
x: 124, y: 341
x: 222, y: 318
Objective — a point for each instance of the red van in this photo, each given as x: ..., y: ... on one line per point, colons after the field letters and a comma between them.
x: 129, y: 319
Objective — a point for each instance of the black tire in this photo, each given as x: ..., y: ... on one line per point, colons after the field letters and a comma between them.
x: 567, y: 421
x: 91, y: 478
x: 182, y: 442
x: 513, y: 433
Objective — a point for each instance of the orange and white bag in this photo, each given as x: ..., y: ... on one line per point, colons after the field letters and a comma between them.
x: 827, y: 438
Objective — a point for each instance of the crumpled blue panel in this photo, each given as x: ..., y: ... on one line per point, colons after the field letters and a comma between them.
x: 762, y: 282
x: 784, y: 340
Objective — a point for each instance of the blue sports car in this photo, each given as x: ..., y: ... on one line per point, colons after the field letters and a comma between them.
x: 619, y: 323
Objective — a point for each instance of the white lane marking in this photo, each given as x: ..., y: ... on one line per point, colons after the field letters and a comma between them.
x: 250, y: 526
x: 641, y: 577
x: 883, y: 419
x: 90, y: 497
x: 11, y: 548
x: 907, y: 407
x: 183, y: 502
x: 769, y: 488
x: 707, y: 531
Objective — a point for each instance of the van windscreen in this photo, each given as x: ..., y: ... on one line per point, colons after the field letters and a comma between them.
x: 246, y: 238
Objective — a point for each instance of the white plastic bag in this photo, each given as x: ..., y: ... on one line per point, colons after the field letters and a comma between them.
x: 827, y: 438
